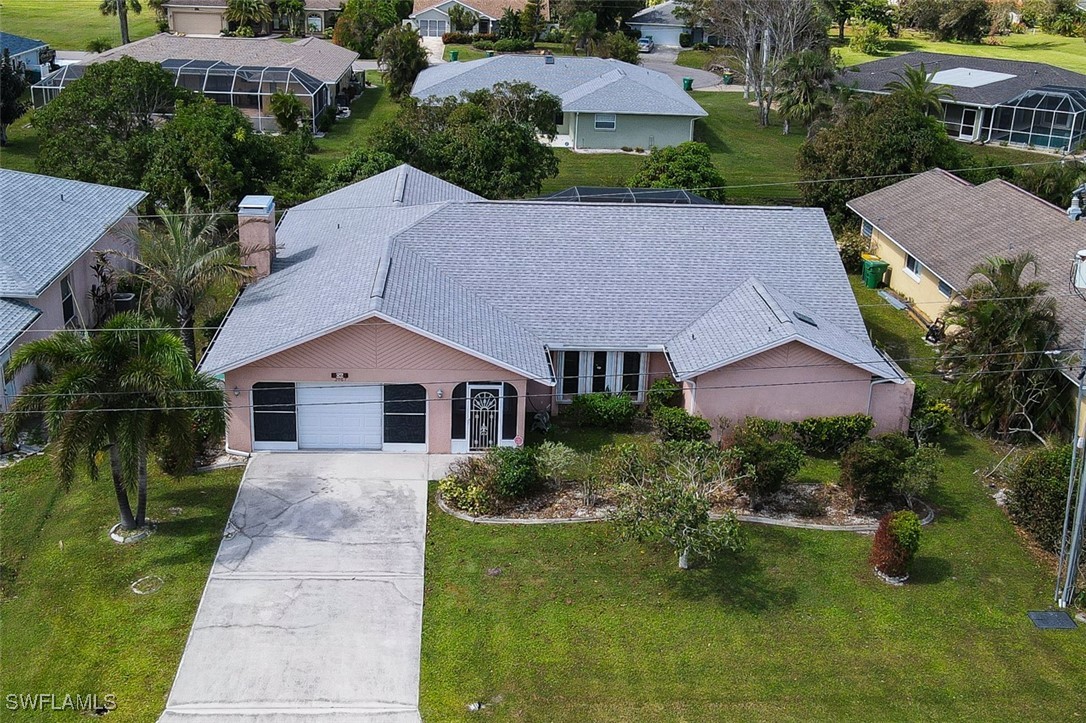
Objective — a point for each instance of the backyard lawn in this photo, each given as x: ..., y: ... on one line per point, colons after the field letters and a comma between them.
x: 70, y: 24
x: 71, y: 622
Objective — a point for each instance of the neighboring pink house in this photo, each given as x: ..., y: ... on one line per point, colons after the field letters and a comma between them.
x: 52, y: 229
x: 403, y: 313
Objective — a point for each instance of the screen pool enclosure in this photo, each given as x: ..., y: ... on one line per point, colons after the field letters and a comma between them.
x: 1051, y: 117
x: 248, y: 88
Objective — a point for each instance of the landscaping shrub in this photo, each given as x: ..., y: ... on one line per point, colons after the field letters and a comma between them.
x: 685, y: 40
x: 930, y: 417
x: 701, y: 46
x: 768, y: 447
x: 457, y: 38
x: 470, y: 485
x: 920, y: 472
x: 619, y: 464
x: 513, y: 45
x: 552, y: 35
x: 852, y: 245
x: 555, y: 461
x: 896, y: 542
x: 868, y: 39
x: 664, y: 392
x: 677, y: 423
x: 483, y: 45
x: 832, y: 435
x: 871, y: 469
x: 515, y: 474
x: 326, y: 119
x: 1037, y: 493
x: 603, y: 410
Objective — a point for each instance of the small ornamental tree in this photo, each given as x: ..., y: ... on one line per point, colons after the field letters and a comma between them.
x: 896, y: 543
x: 672, y: 506
x: 462, y: 19
x: 687, y: 166
x: 399, y: 50
x: 289, y: 112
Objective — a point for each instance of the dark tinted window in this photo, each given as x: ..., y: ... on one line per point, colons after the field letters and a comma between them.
x: 571, y: 364
x: 459, y: 411
x: 405, y: 413
x: 274, y: 412
x: 273, y: 396
x: 509, y: 411
x: 599, y: 371
x: 631, y: 371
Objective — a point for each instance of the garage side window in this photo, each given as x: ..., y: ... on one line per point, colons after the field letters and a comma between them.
x: 274, y: 412
x: 405, y: 414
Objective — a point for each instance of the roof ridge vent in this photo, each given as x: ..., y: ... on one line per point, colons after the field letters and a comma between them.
x: 401, y: 187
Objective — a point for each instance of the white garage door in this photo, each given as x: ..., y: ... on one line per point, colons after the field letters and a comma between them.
x: 197, y: 22
x: 339, y: 416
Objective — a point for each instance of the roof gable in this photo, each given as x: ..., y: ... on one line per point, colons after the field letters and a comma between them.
x: 661, y: 14
x: 17, y: 44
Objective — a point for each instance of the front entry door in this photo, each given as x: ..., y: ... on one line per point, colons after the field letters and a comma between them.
x: 969, y: 124
x: 484, y: 416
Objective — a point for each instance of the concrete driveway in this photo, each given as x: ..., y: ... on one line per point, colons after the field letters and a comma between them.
x: 313, y: 609
x: 663, y: 60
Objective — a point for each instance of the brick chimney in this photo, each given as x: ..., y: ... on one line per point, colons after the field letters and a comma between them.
x: 256, y: 234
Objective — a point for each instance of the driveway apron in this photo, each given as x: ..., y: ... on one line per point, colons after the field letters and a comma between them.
x: 313, y: 609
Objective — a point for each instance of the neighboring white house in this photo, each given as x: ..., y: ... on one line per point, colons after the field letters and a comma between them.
x: 431, y: 17
x: 660, y: 23
x: 34, y: 55
x: 606, y: 104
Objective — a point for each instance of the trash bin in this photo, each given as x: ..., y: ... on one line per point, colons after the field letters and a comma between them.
x: 727, y: 77
x: 873, y: 271
x: 490, y: 53
x: 454, y: 55
x: 688, y: 83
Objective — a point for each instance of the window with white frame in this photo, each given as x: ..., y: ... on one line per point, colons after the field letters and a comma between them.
x: 866, y: 228
x: 583, y: 372
x: 606, y: 121
x: 945, y: 290
x: 912, y: 265
x: 67, y: 301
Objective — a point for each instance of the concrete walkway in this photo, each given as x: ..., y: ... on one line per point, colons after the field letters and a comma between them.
x: 313, y: 609
x: 435, y: 49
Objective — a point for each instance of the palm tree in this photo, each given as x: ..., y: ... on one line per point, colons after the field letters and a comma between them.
x: 182, y: 259
x: 1006, y: 381
x: 804, y: 94
x: 293, y: 9
x: 120, y: 9
x: 915, y: 84
x: 120, y: 390
x: 248, y: 12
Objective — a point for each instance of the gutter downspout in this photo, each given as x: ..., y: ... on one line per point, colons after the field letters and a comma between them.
x: 576, y: 128
x: 871, y: 392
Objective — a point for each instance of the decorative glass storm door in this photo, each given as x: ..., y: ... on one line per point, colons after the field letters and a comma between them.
x: 484, y: 415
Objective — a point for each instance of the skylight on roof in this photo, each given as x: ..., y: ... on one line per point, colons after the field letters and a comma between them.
x: 805, y: 319
x: 968, y: 77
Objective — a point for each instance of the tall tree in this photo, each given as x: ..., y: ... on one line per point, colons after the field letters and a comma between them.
x: 13, y: 86
x: 182, y: 259
x: 121, y: 390
x: 361, y: 24
x: 400, y: 52
x: 915, y: 86
x: 531, y: 20
x: 841, y: 12
x: 1005, y: 381
x: 462, y: 19
x: 120, y: 8
x: 805, y: 87
x: 294, y: 11
x: 579, y: 30
x: 248, y: 13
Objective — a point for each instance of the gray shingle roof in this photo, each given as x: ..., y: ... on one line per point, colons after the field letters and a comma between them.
x: 49, y: 223
x: 586, y: 85
x: 872, y: 77
x: 15, y: 316
x: 16, y: 44
x: 323, y: 60
x: 506, y: 278
x: 662, y: 14
x: 950, y: 225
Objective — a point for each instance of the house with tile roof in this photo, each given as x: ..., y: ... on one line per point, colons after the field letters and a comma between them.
x: 53, y: 231
x: 206, y: 17
x: 431, y: 17
x: 403, y: 313
x: 934, y: 228
x: 242, y: 72
x: 1011, y: 102
x: 606, y: 103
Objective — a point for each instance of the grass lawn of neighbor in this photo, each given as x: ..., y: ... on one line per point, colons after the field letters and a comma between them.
x: 569, y: 623
x: 72, y: 624
x: 369, y: 111
x: 71, y: 24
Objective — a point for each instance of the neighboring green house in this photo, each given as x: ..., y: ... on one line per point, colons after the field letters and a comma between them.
x: 606, y: 104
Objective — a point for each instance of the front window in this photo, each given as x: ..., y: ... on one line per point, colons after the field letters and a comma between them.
x: 274, y: 412
x: 67, y: 300
x: 405, y: 414
x: 606, y: 121
x: 584, y: 372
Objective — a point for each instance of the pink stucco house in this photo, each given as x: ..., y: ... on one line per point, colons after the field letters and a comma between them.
x: 403, y: 313
x: 52, y: 231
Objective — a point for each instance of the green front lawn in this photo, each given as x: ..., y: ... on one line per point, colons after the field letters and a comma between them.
x: 466, y: 52
x: 71, y: 24
x: 21, y: 152
x: 369, y: 112
x: 698, y: 59
x: 578, y: 625
x: 1069, y: 53
x: 71, y: 622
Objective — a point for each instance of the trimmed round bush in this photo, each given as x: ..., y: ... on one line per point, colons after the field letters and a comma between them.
x: 768, y: 447
x: 515, y: 474
x: 603, y: 410
x: 872, y: 468
x: 675, y: 423
x: 896, y: 542
x: 832, y: 435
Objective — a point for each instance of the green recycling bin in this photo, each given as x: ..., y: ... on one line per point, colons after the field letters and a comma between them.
x: 454, y: 55
x: 727, y: 78
x: 873, y: 271
x: 688, y: 83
